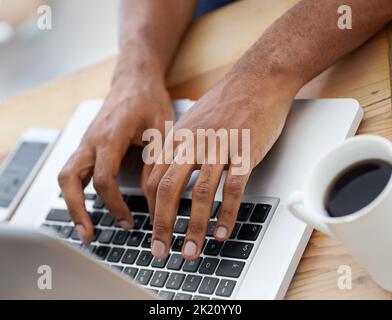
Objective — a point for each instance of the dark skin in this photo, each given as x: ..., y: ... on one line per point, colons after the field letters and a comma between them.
x: 256, y: 93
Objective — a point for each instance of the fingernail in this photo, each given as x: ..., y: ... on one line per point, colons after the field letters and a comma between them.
x: 158, y: 248
x: 125, y: 224
x: 81, y: 232
x: 190, y: 249
x: 221, y: 232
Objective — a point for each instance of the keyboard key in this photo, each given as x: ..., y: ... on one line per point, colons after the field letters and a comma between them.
x: 135, y: 238
x: 144, y: 276
x: 183, y: 296
x: 225, y: 288
x: 230, y: 268
x: 211, y: 228
x: 75, y: 235
x: 213, y: 247
x: 249, y: 231
x: 236, y: 249
x: 115, y: 254
x: 235, y: 230
x: 192, y: 265
x: 53, y: 227
x: 184, y: 208
x: 120, y: 237
x: 178, y: 243
x: 89, y: 248
x: 215, y: 208
x: 147, y: 241
x: 260, y: 213
x: 200, y: 298
x: 139, y: 220
x: 144, y: 259
x: 181, y: 225
x: 175, y: 281
x: 166, y: 295
x: 97, y: 232
x: 191, y: 283
x: 153, y: 291
x: 65, y: 232
x: 159, y: 263
x: 244, y: 211
x: 130, y: 272
x: 208, y: 265
x: 106, y: 236
x: 107, y: 220
x: 137, y: 204
x: 159, y: 279
x: 58, y: 215
x: 98, y: 203
x: 175, y: 262
x: 147, y: 225
x: 95, y: 216
x: 101, y: 252
x: 208, y: 285
x: 90, y: 196
x: 130, y: 256
x: 118, y: 268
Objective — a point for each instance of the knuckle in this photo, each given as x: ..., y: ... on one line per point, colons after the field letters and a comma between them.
x: 196, y: 228
x: 227, y: 215
x: 100, y: 181
x: 161, y: 226
x: 151, y: 186
x: 234, y: 186
x: 202, y: 191
x: 166, y: 186
x: 64, y: 176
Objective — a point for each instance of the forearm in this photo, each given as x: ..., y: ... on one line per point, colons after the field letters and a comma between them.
x: 306, y: 40
x: 150, y: 31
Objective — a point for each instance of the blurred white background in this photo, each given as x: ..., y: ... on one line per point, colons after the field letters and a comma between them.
x: 84, y: 32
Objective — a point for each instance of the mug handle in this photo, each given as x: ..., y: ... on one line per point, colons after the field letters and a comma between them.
x: 296, y: 206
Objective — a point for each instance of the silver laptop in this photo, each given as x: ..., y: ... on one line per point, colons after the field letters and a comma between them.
x: 258, y: 261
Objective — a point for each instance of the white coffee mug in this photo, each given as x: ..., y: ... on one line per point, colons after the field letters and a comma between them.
x: 367, y: 233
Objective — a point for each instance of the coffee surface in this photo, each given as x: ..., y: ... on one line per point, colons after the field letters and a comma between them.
x: 356, y: 187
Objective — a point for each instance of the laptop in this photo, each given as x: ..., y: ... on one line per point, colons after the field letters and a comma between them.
x: 257, y: 262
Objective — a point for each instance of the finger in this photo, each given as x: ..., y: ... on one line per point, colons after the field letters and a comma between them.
x: 203, y: 195
x: 161, y: 163
x: 151, y: 188
x: 168, y: 196
x: 233, y: 191
x: 72, y: 179
x: 105, y: 173
x: 145, y: 174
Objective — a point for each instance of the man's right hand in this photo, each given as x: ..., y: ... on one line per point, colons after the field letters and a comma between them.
x: 130, y: 108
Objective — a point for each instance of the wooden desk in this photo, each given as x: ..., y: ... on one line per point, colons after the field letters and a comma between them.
x: 212, y: 45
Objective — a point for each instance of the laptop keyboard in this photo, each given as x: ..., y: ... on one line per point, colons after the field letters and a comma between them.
x: 215, y: 274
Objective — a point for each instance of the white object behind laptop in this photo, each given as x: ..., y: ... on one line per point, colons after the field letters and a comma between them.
x: 313, y: 127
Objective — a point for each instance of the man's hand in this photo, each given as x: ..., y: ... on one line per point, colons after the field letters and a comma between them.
x: 232, y: 104
x: 129, y: 109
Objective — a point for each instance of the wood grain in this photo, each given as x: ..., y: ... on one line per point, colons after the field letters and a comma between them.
x: 211, y: 47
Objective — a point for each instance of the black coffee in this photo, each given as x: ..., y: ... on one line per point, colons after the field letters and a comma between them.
x: 357, y: 186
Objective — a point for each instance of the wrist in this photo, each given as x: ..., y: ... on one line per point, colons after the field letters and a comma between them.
x: 266, y: 76
x: 138, y: 69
